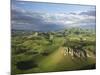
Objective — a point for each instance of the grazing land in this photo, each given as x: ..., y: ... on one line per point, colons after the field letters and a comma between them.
x: 62, y: 50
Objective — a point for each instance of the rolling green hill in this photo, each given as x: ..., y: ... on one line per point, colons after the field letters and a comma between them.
x: 57, y: 61
x: 45, y: 52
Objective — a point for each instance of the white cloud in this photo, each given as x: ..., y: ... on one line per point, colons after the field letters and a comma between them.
x: 68, y: 19
x: 44, y: 20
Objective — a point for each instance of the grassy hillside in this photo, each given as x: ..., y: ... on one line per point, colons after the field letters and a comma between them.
x: 57, y: 61
x: 34, y: 52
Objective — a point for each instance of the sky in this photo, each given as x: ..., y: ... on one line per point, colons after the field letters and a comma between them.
x: 41, y: 16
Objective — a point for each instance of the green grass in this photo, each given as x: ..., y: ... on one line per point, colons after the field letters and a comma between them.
x: 55, y: 60
x: 58, y: 62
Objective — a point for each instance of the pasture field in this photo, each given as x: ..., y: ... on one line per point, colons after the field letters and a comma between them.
x: 63, y: 50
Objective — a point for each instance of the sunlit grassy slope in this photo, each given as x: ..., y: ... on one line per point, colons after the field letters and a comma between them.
x: 30, y: 50
x: 57, y: 61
